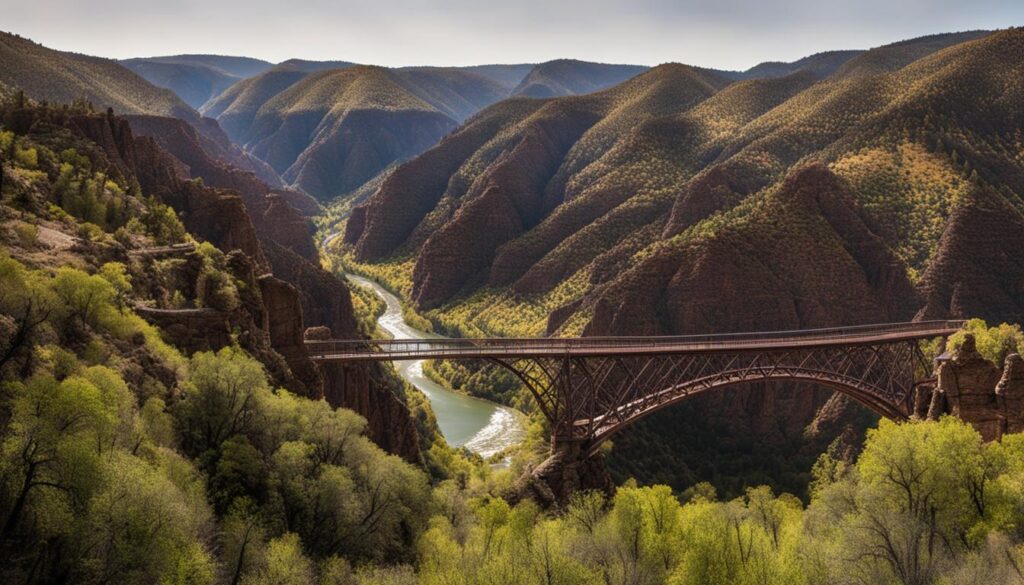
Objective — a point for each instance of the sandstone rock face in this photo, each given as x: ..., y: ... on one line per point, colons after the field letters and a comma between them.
x: 191, y: 330
x: 1010, y: 394
x: 975, y: 390
x: 325, y: 298
x: 284, y: 317
x: 967, y: 383
x: 210, y: 137
x: 273, y: 217
x: 215, y: 215
x: 274, y: 310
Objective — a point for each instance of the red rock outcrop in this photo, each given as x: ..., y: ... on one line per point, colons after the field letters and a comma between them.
x: 1010, y: 394
x: 215, y: 215
x: 715, y: 189
x: 284, y: 323
x: 326, y: 300
x: 271, y: 215
x: 975, y: 390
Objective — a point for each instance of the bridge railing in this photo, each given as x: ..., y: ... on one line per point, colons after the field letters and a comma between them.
x: 475, y: 346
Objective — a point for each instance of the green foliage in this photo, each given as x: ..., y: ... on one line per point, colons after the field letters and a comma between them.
x: 81, y: 474
x: 306, y: 464
x: 368, y: 307
x: 284, y: 564
x: 215, y: 287
x: 910, y: 508
x: 162, y: 223
x: 926, y: 502
x: 26, y: 157
x: 7, y: 139
x: 911, y: 191
x: 483, y: 379
x: 28, y: 234
x: 993, y: 343
x: 86, y: 299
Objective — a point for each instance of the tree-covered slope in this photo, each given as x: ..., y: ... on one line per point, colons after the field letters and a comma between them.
x: 571, y: 77
x: 61, y: 77
x: 888, y: 189
x: 331, y: 131
x: 195, y: 83
x: 137, y: 315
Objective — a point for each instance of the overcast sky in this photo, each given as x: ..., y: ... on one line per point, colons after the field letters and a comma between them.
x: 730, y: 34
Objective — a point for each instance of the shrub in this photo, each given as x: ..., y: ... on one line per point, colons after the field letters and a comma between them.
x: 28, y: 234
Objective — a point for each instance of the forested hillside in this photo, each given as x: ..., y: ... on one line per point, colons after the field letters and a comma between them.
x: 571, y: 77
x: 196, y: 78
x: 60, y: 77
x: 681, y: 202
x: 150, y: 359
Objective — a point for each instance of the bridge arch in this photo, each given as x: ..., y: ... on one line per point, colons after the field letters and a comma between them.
x: 868, y: 397
x: 591, y: 388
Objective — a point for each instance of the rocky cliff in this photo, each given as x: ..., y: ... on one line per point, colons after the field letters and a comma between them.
x: 976, y: 390
x: 274, y: 311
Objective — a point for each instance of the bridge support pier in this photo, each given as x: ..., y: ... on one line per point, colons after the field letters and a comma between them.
x: 567, y: 470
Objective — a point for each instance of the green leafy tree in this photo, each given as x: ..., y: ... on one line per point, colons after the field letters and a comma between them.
x: 993, y: 343
x: 50, y: 456
x: 222, y: 399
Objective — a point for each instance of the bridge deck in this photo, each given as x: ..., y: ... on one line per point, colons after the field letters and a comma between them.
x: 497, y: 348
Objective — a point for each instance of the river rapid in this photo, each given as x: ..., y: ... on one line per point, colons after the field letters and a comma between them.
x: 481, y: 426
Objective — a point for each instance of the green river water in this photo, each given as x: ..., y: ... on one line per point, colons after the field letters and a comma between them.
x: 480, y: 425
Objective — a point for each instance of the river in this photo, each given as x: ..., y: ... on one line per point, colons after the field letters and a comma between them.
x: 482, y: 426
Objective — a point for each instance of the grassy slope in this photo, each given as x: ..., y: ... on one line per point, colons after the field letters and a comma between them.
x: 60, y: 77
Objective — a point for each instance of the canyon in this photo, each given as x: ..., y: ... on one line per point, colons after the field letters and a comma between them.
x: 572, y: 198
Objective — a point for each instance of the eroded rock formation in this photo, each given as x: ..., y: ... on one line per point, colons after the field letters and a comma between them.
x: 271, y: 251
x: 974, y: 389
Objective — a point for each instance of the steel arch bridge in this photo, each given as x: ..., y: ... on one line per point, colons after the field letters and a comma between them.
x: 589, y: 388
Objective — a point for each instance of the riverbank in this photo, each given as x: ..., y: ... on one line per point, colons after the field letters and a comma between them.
x: 482, y: 426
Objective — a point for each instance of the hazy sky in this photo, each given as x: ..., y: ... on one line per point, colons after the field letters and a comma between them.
x: 733, y: 34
